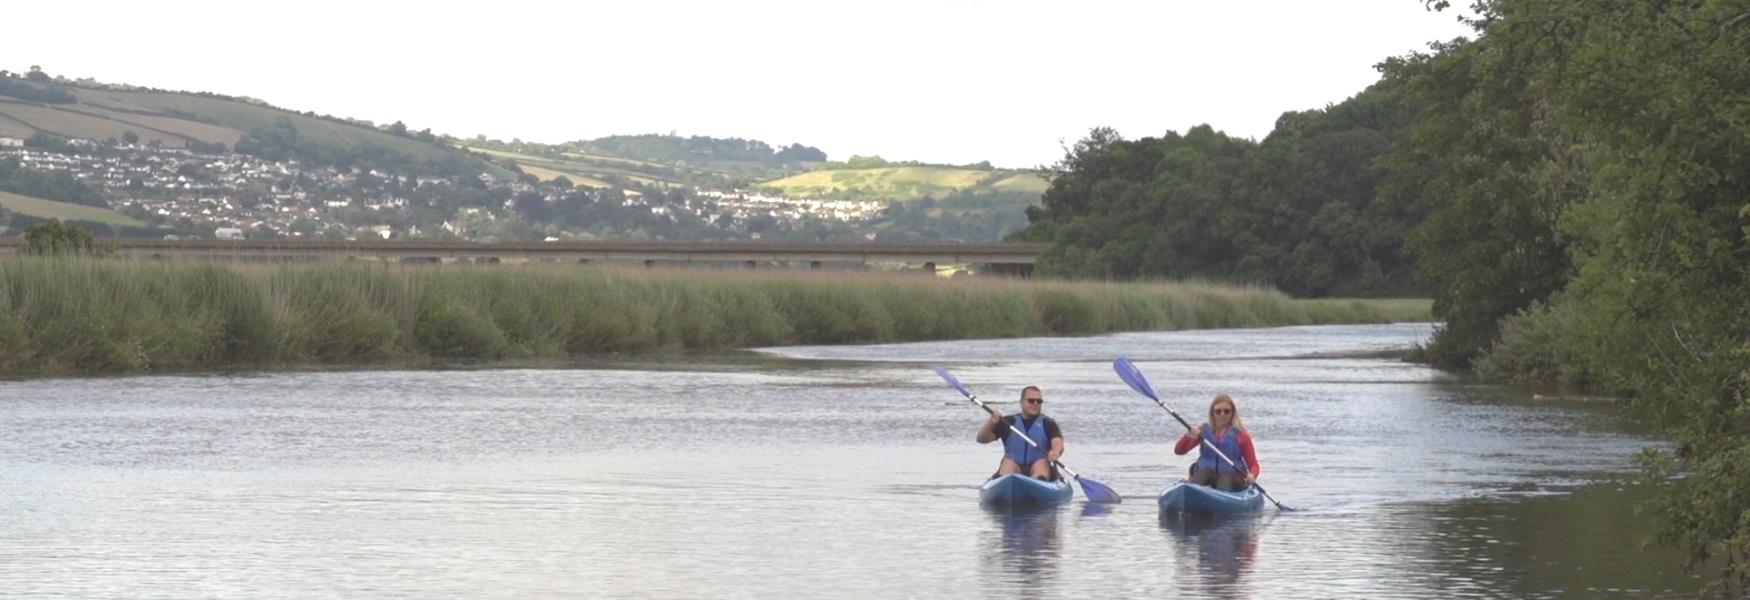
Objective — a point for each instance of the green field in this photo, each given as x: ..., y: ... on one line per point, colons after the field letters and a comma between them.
x: 630, y: 162
x: 548, y: 168
x: 49, y: 209
x: 902, y: 183
x: 576, y: 179
x: 1021, y: 182
x: 73, y: 124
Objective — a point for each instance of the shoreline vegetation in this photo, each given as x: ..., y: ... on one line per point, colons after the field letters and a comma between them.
x: 85, y: 316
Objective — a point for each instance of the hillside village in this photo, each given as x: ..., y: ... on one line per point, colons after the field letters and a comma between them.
x: 231, y: 195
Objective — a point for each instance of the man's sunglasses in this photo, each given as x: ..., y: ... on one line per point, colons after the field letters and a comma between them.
x: 1034, y: 400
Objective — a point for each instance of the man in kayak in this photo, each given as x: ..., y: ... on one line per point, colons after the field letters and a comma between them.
x: 1018, y: 455
x: 1225, y: 430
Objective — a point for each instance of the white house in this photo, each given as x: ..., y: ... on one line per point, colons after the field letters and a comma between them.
x: 228, y: 233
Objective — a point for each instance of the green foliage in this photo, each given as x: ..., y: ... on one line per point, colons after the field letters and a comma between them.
x: 34, y: 90
x: 1491, y: 248
x: 1299, y: 210
x: 675, y: 149
x: 1574, y: 162
x: 67, y: 315
x: 450, y: 329
x: 59, y: 186
x: 282, y: 140
x: 54, y: 238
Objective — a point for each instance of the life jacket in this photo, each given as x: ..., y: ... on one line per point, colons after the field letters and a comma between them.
x: 1229, y: 445
x: 1017, y: 449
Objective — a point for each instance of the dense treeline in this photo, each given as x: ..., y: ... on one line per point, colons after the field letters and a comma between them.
x: 1572, y: 187
x: 34, y: 87
x: 1591, y: 168
x: 1299, y: 211
x: 676, y: 149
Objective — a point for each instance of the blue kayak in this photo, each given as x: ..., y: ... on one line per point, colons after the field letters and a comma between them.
x: 1016, y: 489
x: 1186, y: 497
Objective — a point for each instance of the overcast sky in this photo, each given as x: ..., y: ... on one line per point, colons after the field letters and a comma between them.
x: 939, y: 81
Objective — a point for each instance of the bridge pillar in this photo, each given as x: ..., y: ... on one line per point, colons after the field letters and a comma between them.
x: 814, y: 265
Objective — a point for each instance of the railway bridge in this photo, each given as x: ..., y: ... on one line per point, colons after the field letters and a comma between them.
x: 1011, y: 257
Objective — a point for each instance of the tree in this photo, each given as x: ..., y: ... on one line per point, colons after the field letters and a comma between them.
x: 1300, y: 210
x: 305, y: 227
x: 54, y: 238
x: 130, y: 137
x: 36, y: 74
x: 1590, y: 211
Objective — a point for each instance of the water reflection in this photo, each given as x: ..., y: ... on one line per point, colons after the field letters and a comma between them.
x: 1096, y: 509
x: 1023, y: 554
x: 1214, y: 550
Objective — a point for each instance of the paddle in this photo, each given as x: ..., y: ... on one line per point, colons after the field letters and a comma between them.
x: 1133, y: 377
x: 1094, y: 490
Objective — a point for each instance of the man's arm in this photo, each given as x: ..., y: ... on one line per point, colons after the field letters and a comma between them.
x: 992, y: 429
x: 1057, y: 445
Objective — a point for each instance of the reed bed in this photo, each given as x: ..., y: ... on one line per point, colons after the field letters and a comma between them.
x: 91, y: 316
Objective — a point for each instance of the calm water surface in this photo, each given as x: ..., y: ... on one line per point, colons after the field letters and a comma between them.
x: 843, y: 471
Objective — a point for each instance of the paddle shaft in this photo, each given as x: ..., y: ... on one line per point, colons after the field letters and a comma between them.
x: 1024, y: 437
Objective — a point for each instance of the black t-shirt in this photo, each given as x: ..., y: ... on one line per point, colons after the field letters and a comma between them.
x: 1051, y: 430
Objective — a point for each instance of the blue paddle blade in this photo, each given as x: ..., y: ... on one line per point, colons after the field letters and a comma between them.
x: 1098, y: 492
x: 1133, y: 377
x: 953, y: 381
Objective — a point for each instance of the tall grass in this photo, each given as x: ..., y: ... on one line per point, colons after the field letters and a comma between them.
x: 65, y: 315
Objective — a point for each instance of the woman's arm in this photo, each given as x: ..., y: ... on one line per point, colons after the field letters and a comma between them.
x: 1250, y: 452
x: 1188, y: 441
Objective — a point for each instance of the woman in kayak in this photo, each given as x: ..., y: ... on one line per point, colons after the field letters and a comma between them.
x: 1226, y: 431
x: 1018, y: 455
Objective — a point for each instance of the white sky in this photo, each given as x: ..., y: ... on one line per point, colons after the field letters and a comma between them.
x: 938, y: 81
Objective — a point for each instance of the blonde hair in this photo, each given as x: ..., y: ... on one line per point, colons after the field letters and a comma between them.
x: 1238, y: 423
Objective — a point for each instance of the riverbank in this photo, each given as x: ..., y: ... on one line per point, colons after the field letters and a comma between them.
x: 86, y: 316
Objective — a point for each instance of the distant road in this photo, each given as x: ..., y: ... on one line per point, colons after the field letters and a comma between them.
x: 650, y: 252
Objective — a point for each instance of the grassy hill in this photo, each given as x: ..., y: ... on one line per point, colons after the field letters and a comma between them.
x: 65, y: 211
x: 904, y: 182
x: 179, y: 119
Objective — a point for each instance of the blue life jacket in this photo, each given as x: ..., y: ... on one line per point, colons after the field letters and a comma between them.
x: 1017, y: 449
x: 1229, y: 445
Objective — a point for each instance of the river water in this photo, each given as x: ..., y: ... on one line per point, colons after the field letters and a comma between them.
x: 845, y: 471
